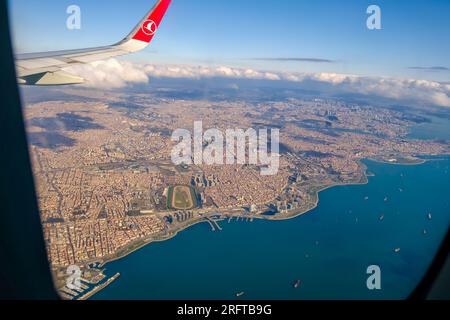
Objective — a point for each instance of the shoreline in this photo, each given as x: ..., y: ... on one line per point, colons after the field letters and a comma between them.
x: 364, y: 181
x: 266, y: 218
x: 148, y: 242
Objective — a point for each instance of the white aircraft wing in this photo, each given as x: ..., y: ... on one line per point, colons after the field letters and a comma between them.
x: 46, y: 68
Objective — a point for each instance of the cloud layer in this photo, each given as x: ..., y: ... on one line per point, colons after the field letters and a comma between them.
x: 115, y: 74
x: 110, y: 73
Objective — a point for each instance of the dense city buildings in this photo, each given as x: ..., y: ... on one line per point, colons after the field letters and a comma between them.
x: 107, y: 186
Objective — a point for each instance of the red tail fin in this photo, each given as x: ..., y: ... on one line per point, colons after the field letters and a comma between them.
x: 150, y: 24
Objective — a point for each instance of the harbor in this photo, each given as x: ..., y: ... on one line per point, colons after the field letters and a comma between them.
x: 264, y: 258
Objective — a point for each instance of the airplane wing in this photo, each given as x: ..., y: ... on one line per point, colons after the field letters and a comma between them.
x: 45, y: 69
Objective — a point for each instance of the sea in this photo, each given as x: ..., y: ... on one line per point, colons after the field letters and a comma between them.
x: 438, y: 128
x: 328, y: 251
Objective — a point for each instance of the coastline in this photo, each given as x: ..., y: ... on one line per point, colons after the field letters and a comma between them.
x: 364, y: 180
x: 150, y: 241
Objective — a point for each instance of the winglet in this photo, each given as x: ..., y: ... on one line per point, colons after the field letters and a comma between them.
x: 144, y: 32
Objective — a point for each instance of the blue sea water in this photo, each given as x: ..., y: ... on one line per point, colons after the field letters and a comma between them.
x: 328, y: 249
x: 437, y: 129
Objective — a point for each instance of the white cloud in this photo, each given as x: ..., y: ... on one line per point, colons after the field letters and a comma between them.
x: 408, y: 90
x: 115, y: 74
x: 110, y: 74
x: 198, y: 72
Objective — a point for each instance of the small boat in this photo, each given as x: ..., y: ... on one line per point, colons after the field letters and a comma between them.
x: 366, y: 198
x: 297, y: 284
x: 382, y: 217
x: 386, y: 199
x: 430, y: 216
x: 397, y: 250
x: 425, y: 232
x: 240, y: 294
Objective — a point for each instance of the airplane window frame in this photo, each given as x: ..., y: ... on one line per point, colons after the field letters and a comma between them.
x: 24, y: 267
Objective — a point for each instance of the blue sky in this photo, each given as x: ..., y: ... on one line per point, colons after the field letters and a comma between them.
x: 236, y: 32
